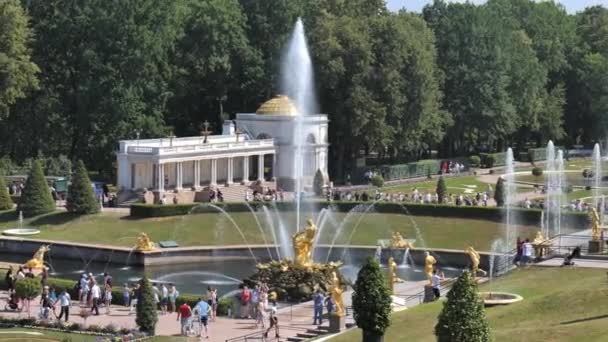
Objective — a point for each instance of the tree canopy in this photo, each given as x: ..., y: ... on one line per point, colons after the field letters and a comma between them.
x: 459, y: 79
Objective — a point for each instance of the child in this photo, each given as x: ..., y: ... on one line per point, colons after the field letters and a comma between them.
x: 108, y: 297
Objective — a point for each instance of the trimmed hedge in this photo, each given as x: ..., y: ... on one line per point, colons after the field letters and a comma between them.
x: 537, y: 154
x: 416, y: 169
x: 524, y: 157
x: 526, y: 216
x: 493, y: 159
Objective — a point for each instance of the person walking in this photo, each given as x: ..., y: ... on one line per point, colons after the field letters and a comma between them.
x: 126, y: 295
x: 318, y: 300
x: 245, y: 299
x: 202, y: 310
x: 164, y: 299
x: 184, y: 313
x: 527, y: 250
x: 64, y: 301
x: 436, y: 280
x: 274, y: 323
x: 108, y: 297
x: 95, y: 296
x: 173, y: 294
x: 9, y: 279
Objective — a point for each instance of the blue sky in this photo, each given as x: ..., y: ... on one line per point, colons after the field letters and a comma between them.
x: 572, y: 6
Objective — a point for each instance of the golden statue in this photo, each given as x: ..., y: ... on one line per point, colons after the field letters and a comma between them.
x: 399, y: 242
x: 37, y: 261
x: 392, y: 274
x: 144, y: 243
x: 474, y: 256
x: 429, y: 262
x: 539, y: 239
x: 596, y: 230
x: 336, y: 294
x: 302, y: 244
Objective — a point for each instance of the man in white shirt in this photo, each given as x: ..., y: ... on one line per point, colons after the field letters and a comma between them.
x: 527, y: 252
x: 64, y: 301
x: 95, y: 296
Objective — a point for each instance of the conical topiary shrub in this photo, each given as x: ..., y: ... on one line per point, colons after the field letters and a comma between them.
x: 463, y: 317
x: 499, y: 192
x: 146, y: 317
x: 441, y: 189
x: 318, y: 183
x: 372, y: 301
x: 6, y: 202
x: 36, y: 198
x: 81, y: 197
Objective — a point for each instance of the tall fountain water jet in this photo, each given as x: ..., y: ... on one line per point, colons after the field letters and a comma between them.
x: 298, y: 84
x: 597, y: 174
x: 560, y: 183
x: 510, y: 193
x: 550, y: 187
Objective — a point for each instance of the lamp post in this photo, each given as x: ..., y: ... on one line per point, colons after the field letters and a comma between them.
x: 171, y: 136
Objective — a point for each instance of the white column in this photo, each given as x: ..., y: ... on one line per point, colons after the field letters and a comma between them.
x: 197, y: 174
x: 274, y: 166
x: 246, y: 170
x: 261, y: 167
x: 213, y: 171
x: 230, y: 172
x: 178, y: 175
x: 160, y: 177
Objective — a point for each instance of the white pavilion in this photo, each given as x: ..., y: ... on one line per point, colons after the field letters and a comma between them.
x: 259, y: 149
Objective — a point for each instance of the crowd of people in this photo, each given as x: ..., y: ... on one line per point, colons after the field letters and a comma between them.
x: 416, y: 196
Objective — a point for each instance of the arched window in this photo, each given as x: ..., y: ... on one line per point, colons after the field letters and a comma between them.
x: 310, y: 139
x: 263, y: 136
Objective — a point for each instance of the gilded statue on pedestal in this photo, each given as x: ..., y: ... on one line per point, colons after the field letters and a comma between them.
x: 144, y: 243
x: 474, y: 256
x: 336, y: 295
x: 303, y: 244
x: 429, y: 262
x: 399, y: 242
x: 392, y: 274
x: 596, y: 230
x: 37, y: 261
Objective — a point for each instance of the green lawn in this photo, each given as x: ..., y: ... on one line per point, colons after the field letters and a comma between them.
x: 560, y: 304
x: 216, y: 229
x: 466, y: 185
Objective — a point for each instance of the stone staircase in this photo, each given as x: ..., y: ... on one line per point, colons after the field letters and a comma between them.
x: 313, y: 333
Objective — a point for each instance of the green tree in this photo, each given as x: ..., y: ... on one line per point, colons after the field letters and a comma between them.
x: 36, y: 197
x: 102, y: 83
x: 441, y: 189
x: 378, y: 180
x: 28, y: 289
x: 499, y: 192
x: 371, y: 301
x: 463, y: 318
x: 146, y: 315
x: 17, y: 71
x: 218, y: 71
x: 319, y: 183
x: 6, y: 202
x: 81, y: 197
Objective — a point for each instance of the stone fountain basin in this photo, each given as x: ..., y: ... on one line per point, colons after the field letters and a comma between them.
x: 20, y: 232
x: 499, y: 298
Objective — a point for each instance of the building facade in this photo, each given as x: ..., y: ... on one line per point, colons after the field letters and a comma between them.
x: 261, y: 147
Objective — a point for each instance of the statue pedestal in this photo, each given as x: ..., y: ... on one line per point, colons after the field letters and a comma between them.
x: 429, y: 296
x: 596, y: 246
x: 336, y: 323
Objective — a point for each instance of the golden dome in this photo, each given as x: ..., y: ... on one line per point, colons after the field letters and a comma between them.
x: 279, y: 105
